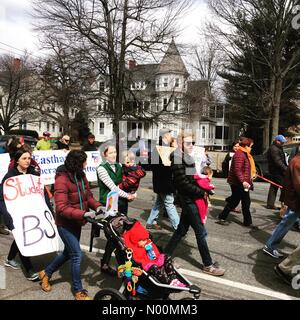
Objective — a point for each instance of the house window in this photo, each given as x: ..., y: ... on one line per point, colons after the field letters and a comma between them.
x: 53, y: 126
x: 101, y: 127
x: 97, y: 105
x: 101, y: 86
x: 176, y: 104
x: 203, y: 132
x: 22, y: 124
x: 166, y: 81
x: 220, y: 134
x: 157, y: 83
x: 48, y: 126
x: 105, y: 108
x: 176, y: 82
x: 146, y: 105
x: 40, y: 125
x: 166, y: 101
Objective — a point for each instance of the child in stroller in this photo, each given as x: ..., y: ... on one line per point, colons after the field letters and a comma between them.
x: 146, y: 253
x: 151, y: 284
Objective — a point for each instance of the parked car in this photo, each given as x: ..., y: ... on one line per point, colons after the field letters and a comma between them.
x: 27, y: 139
x: 261, y: 161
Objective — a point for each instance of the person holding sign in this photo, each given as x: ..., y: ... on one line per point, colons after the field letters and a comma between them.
x: 109, y: 175
x: 73, y: 199
x: 162, y: 184
x: 22, y: 165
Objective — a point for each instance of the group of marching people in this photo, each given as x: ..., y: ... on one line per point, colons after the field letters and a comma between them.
x: 74, y: 202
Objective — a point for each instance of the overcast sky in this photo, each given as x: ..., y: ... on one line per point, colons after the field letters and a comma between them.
x: 16, y: 29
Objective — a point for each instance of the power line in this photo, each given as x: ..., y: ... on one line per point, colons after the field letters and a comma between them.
x: 23, y: 51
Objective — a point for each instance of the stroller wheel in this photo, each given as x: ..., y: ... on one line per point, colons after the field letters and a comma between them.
x: 109, y: 294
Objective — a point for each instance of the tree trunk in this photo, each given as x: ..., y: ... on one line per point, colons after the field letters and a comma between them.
x: 276, y: 108
x: 266, y: 137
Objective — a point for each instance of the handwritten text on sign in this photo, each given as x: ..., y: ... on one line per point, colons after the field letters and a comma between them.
x: 35, y: 230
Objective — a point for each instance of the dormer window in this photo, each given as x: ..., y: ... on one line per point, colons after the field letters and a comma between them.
x: 101, y: 86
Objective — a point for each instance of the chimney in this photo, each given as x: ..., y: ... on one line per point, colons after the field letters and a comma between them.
x: 17, y: 64
x: 131, y: 64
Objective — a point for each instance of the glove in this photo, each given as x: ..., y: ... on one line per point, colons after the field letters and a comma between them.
x: 89, y: 214
x: 100, y: 210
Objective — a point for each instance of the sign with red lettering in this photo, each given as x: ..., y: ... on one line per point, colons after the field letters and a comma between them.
x: 35, y: 231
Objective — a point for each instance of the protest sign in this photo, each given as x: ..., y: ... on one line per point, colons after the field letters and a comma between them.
x: 112, y: 202
x: 164, y: 153
x: 35, y: 231
x: 49, y: 161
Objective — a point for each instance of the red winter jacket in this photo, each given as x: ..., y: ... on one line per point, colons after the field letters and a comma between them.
x: 240, y: 169
x: 68, y: 212
x: 131, y: 239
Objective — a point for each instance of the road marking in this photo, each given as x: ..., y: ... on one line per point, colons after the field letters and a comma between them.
x: 238, y: 285
x: 222, y: 281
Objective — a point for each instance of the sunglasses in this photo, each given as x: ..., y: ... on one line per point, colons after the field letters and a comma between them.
x: 66, y: 140
x: 188, y: 143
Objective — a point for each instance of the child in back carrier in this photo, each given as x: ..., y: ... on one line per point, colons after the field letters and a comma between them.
x: 146, y: 253
x: 204, y: 182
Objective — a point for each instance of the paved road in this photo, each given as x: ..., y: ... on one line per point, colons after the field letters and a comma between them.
x: 249, y: 272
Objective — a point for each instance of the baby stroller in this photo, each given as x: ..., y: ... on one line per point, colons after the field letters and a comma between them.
x: 147, y: 286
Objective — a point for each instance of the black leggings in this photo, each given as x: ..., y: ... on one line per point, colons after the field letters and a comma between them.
x: 166, y: 273
x: 14, y: 250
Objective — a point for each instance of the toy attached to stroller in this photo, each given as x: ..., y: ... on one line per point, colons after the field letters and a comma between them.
x: 139, y: 280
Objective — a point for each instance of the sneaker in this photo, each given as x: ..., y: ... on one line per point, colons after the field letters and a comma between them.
x: 153, y: 226
x: 13, y: 264
x: 273, y: 253
x: 223, y: 222
x: 285, y: 277
x: 44, y: 281
x: 82, y: 295
x: 32, y: 276
x: 177, y: 283
x: 214, y: 270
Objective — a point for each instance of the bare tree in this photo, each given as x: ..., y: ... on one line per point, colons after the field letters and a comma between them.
x: 263, y: 30
x: 64, y: 82
x: 111, y: 31
x: 15, y: 83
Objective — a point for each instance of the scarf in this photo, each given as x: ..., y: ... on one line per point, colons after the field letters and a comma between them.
x: 251, y: 160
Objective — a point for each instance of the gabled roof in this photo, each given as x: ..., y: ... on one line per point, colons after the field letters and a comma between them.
x: 172, y: 61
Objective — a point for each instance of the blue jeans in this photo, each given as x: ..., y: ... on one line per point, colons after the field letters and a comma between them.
x: 282, y: 228
x: 71, y: 251
x: 166, y: 200
x: 190, y: 217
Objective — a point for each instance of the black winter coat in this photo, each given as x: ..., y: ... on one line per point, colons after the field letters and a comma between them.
x: 183, y: 170
x: 276, y: 160
x: 161, y: 175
